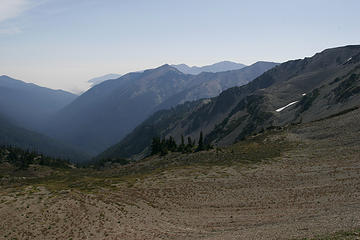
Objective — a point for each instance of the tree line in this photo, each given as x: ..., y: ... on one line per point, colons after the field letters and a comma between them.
x: 21, y: 159
x: 162, y: 145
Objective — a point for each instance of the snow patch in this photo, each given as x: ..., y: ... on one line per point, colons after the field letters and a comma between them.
x: 206, y: 101
x: 349, y: 59
x: 304, y: 94
x: 282, y: 108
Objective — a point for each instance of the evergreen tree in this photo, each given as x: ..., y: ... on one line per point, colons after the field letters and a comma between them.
x: 155, y: 146
x: 181, y: 147
x: 190, y: 143
x: 201, y: 143
x: 163, y: 149
x: 163, y: 142
x: 171, y: 144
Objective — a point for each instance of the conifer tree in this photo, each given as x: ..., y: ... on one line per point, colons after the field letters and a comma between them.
x: 181, y: 147
x: 201, y: 142
x: 171, y: 144
x: 155, y: 146
x: 190, y: 143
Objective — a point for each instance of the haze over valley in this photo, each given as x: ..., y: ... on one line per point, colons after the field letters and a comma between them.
x: 192, y: 120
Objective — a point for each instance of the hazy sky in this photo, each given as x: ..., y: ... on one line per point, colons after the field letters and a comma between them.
x: 64, y: 43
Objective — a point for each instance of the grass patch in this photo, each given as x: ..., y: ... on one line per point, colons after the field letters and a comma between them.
x: 263, y: 147
x: 342, y: 235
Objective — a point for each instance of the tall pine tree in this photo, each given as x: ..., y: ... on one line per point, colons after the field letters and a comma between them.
x: 155, y: 146
x: 201, y: 142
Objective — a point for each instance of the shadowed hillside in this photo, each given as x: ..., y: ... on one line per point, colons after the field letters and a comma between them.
x: 13, y: 135
x: 30, y: 105
x: 107, y: 112
x: 296, y: 91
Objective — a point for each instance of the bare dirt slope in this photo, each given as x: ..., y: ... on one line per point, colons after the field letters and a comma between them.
x: 312, y: 188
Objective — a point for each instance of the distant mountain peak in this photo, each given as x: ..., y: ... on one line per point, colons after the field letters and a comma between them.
x: 164, y: 66
x: 4, y: 76
x: 163, y: 69
x: 8, y: 78
x: 97, y: 80
x: 216, y: 67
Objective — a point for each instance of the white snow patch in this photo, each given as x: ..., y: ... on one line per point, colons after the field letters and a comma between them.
x: 304, y: 94
x: 206, y: 101
x: 282, y: 108
x: 349, y: 59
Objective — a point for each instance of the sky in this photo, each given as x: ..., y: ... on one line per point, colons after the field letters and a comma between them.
x: 62, y: 44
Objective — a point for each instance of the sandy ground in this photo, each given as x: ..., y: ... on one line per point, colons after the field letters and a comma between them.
x: 310, y: 190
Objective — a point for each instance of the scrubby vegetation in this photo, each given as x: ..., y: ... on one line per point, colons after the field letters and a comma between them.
x: 343, y: 235
x: 163, y: 146
x: 21, y: 159
x: 106, y: 162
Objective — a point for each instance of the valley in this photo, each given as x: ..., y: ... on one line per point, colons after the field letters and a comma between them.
x: 179, y: 120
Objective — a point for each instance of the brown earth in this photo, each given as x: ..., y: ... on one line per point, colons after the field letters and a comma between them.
x: 312, y: 188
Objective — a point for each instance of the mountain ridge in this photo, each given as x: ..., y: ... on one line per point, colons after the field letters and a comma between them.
x: 28, y: 104
x: 97, y: 80
x: 107, y: 112
x: 240, y: 111
x: 216, y: 67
